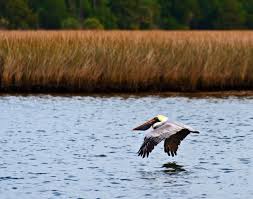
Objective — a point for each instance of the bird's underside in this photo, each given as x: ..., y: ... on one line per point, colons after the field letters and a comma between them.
x: 171, y: 143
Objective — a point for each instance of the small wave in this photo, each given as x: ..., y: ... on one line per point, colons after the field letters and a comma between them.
x: 100, y: 156
x: 10, y: 178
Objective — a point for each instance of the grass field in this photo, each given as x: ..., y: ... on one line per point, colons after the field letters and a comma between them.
x: 125, y: 61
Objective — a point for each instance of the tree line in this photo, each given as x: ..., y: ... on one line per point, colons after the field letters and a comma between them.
x: 124, y: 14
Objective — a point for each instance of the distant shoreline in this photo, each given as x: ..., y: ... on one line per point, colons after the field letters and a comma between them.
x: 207, y: 94
x: 125, y: 61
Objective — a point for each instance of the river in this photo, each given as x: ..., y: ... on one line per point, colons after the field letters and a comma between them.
x: 83, y: 147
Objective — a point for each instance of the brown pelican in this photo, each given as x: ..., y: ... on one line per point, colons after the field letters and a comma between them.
x: 171, y: 132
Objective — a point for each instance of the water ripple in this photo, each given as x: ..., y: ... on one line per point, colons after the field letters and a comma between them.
x: 83, y: 147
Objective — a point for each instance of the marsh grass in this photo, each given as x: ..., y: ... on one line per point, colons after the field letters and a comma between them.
x: 101, y: 61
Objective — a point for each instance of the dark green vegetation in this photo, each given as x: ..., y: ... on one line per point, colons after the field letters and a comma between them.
x: 123, y: 14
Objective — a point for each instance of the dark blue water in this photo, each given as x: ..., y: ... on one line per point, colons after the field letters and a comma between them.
x: 83, y: 147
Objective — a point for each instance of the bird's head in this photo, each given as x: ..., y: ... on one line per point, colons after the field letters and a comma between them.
x: 151, y: 122
x: 162, y: 118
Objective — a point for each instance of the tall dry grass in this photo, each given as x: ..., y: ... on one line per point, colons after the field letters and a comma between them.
x: 125, y: 61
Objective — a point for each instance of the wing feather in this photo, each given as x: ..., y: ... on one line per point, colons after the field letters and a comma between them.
x: 171, y: 144
x: 155, y: 136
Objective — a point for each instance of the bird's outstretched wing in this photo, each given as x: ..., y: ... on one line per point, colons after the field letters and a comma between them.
x: 155, y: 136
x: 171, y: 143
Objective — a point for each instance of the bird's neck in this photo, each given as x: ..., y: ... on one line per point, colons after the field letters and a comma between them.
x: 158, y: 124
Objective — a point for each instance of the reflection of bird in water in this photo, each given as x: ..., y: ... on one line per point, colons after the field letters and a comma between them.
x: 171, y: 132
x: 173, y: 167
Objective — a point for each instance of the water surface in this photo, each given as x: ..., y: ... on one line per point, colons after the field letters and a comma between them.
x: 83, y: 147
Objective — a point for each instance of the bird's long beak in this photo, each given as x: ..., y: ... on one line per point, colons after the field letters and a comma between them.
x: 146, y: 125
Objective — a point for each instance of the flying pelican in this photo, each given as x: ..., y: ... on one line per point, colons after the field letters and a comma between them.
x: 171, y: 132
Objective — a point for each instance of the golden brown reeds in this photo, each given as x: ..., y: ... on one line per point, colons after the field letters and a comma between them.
x: 126, y: 60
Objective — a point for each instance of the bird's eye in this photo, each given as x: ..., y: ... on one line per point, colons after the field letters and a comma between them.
x: 157, y: 119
